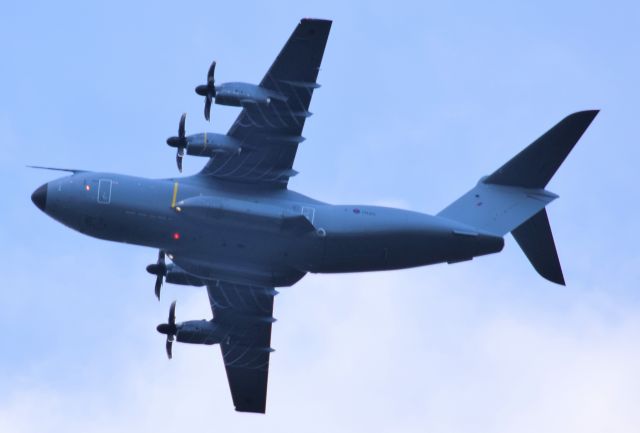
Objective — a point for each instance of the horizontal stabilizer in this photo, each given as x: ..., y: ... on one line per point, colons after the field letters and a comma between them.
x: 536, y: 164
x: 497, y: 209
x: 536, y: 240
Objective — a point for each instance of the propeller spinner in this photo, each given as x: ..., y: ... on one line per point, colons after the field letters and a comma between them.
x: 169, y: 329
x: 179, y: 142
x: 208, y: 90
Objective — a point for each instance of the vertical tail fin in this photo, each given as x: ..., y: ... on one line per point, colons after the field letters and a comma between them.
x: 513, y: 198
x: 536, y: 240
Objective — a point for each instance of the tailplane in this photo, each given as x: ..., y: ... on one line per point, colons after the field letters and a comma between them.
x: 513, y: 198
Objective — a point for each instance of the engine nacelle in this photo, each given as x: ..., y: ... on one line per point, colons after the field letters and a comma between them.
x: 176, y: 275
x: 208, y: 144
x: 240, y: 94
x: 200, y: 332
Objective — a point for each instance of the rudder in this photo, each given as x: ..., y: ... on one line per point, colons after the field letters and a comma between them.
x: 536, y: 241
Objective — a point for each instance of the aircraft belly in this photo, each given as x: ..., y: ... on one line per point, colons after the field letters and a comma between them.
x: 244, y: 256
x: 372, y: 238
x: 375, y: 251
x: 402, y: 249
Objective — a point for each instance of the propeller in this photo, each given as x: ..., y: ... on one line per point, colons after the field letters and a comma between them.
x: 169, y: 328
x: 208, y: 90
x: 159, y: 269
x: 179, y: 142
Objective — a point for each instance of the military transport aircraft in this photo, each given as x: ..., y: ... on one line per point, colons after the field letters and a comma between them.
x: 235, y: 227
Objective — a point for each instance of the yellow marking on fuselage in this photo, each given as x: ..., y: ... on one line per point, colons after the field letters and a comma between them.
x: 175, y: 195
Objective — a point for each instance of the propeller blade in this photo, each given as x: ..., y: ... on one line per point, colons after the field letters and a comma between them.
x: 210, y: 77
x: 162, y: 270
x: 158, y: 286
x: 169, y: 346
x: 207, y: 106
x: 179, y: 156
x: 181, y: 125
x: 172, y: 314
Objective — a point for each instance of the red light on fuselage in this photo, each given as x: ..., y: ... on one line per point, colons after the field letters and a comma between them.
x: 176, y: 236
x: 87, y: 187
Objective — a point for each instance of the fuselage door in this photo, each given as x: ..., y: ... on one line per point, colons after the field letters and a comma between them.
x: 104, y: 191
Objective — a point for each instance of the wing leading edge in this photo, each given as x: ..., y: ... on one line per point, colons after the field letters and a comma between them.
x: 247, y: 312
x: 270, y: 133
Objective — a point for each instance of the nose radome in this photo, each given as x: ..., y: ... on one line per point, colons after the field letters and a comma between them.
x: 39, y: 197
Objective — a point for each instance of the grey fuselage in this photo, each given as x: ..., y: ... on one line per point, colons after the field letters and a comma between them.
x: 236, y: 240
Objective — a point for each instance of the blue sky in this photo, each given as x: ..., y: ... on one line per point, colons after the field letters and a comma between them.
x: 419, y: 100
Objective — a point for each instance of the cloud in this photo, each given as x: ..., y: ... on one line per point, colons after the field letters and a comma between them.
x: 398, y: 351
x: 485, y: 346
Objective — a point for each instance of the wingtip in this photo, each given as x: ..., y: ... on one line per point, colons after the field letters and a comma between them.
x: 554, y: 275
x: 559, y: 280
x: 259, y: 411
x: 316, y: 20
x: 313, y: 25
x: 581, y: 119
x: 586, y: 114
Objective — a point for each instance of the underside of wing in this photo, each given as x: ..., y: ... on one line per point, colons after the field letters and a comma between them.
x: 270, y: 133
x: 247, y: 312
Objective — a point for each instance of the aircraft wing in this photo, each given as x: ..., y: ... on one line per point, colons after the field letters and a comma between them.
x: 247, y: 311
x: 270, y: 133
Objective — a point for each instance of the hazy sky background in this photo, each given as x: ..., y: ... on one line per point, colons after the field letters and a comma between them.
x: 419, y: 100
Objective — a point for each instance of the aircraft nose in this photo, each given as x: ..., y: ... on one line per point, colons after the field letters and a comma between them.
x: 39, y: 197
